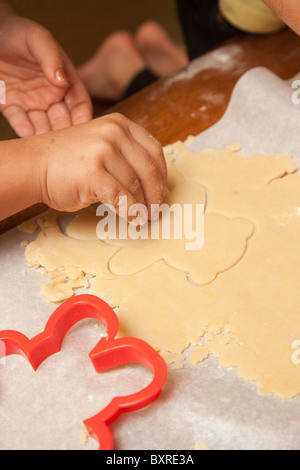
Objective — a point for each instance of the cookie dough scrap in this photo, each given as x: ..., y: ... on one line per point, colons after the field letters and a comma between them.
x: 29, y: 226
x: 68, y: 262
x: 252, y: 187
x: 175, y: 360
x: 224, y: 239
x: 199, y: 354
x: 59, y: 289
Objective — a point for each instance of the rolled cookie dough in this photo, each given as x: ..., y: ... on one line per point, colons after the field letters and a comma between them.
x: 248, y: 314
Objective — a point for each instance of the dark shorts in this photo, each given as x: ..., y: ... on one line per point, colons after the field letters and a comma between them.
x: 203, y: 25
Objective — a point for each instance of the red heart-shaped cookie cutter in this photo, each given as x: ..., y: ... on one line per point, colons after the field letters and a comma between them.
x: 107, y: 354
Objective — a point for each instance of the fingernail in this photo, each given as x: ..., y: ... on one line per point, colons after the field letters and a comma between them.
x: 155, y: 211
x: 61, y: 75
x: 141, y: 219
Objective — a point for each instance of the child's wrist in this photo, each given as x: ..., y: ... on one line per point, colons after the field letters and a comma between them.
x: 31, y: 164
x: 39, y: 168
x: 20, y: 183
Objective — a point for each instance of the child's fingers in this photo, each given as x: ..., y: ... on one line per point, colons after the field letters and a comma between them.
x: 152, y: 145
x: 40, y: 122
x: 148, y: 171
x: 120, y: 169
x: 143, y: 153
x: 108, y: 190
x: 19, y: 121
x: 59, y: 116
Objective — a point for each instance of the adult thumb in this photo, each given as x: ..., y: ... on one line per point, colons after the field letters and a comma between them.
x: 48, y: 54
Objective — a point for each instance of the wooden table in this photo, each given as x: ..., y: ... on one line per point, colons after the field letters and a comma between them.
x: 191, y: 101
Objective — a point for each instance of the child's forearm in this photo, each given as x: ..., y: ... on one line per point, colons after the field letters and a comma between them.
x: 19, y: 179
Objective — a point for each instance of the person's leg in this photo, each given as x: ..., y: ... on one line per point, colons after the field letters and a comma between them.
x: 113, y: 67
x: 162, y: 55
x: 203, y: 25
x: 124, y: 64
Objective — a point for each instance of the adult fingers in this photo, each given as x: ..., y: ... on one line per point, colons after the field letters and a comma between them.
x: 40, y: 121
x: 77, y: 98
x: 47, y: 53
x: 59, y: 116
x: 79, y: 104
x: 19, y: 121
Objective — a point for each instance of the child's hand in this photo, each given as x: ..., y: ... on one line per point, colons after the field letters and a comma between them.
x: 43, y: 90
x: 101, y: 161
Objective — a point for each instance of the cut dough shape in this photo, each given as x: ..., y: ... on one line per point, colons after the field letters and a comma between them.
x: 224, y: 245
x: 84, y: 225
x: 224, y: 240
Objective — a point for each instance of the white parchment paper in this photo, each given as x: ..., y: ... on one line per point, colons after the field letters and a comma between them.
x: 199, y: 404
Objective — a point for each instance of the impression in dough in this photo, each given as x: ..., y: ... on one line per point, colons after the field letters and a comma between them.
x: 224, y: 240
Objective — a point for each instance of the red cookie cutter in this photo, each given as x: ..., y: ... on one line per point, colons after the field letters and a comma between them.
x: 107, y: 354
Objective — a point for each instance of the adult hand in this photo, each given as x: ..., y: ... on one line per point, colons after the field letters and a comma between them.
x: 43, y: 89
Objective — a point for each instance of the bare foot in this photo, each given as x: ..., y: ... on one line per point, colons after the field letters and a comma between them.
x: 108, y: 73
x: 161, y: 54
